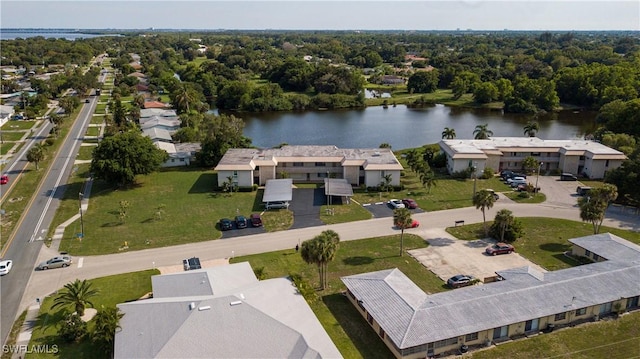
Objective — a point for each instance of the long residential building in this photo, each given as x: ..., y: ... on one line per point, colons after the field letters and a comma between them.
x: 364, y: 166
x: 579, y: 157
x: 524, y: 302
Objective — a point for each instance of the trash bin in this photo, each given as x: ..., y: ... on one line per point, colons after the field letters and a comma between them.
x: 464, y: 348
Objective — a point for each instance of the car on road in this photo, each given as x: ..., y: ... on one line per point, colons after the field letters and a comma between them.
x: 460, y: 280
x: 582, y: 190
x: 255, y: 219
x: 241, y: 222
x: 409, y: 203
x: 395, y: 203
x: 277, y: 205
x: 56, y: 262
x: 493, y: 193
x: 5, y: 266
x: 414, y: 224
x: 4, y: 179
x: 226, y: 224
x: 499, y: 248
x: 86, y: 101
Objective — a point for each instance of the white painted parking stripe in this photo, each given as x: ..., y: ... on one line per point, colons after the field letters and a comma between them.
x: 80, y: 262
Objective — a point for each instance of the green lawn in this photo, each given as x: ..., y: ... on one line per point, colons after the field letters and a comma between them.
x: 343, y: 213
x: 348, y: 330
x: 97, y: 119
x: 113, y: 290
x: 6, y: 147
x: 100, y: 108
x: 545, y: 239
x: 92, y: 131
x: 18, y: 125
x: 85, y: 152
x: 12, y: 136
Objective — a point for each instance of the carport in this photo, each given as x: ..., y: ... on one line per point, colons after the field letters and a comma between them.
x: 337, y: 187
x: 278, y: 190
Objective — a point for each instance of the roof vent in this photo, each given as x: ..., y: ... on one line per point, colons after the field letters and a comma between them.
x: 237, y: 302
x: 204, y: 308
x: 241, y: 296
x: 376, y: 154
x: 192, y: 306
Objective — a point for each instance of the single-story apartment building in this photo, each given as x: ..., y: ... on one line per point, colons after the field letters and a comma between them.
x: 580, y: 157
x: 311, y: 164
x: 221, y: 312
x: 523, y: 302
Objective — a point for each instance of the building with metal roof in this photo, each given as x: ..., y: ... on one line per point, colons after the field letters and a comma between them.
x: 414, y: 324
x: 580, y: 157
x: 311, y: 164
x: 221, y: 312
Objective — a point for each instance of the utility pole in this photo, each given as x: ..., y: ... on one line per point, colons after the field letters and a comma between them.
x: 80, y: 196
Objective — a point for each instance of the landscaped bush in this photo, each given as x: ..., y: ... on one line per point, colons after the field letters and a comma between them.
x: 464, y: 174
x: 487, y: 173
x: 511, y: 233
x: 72, y: 328
x: 245, y: 189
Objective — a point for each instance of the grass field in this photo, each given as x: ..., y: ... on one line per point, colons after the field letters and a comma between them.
x: 348, y: 330
x: 113, y: 290
x: 18, y: 125
x: 85, y: 152
x: 12, y: 136
x: 97, y: 119
x: 92, y: 131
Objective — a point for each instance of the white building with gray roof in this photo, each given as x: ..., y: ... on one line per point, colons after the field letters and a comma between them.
x: 221, y: 312
x: 414, y: 324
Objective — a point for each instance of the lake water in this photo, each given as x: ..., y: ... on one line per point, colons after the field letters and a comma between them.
x: 401, y: 127
x: 12, y: 35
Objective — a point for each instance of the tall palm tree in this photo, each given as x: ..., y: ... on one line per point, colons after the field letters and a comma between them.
x: 428, y: 180
x: 504, y: 219
x: 402, y: 219
x: 385, y: 184
x: 107, y: 322
x: 76, y: 293
x: 328, y: 244
x: 531, y: 128
x: 184, y: 97
x: 482, y: 132
x: 484, y: 200
x: 449, y: 133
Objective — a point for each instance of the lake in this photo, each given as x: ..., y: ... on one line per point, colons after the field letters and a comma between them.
x: 402, y: 127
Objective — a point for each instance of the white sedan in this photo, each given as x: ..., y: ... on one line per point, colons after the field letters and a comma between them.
x: 396, y: 203
x: 5, y: 267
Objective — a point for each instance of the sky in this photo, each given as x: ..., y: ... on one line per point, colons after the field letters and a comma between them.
x: 562, y: 15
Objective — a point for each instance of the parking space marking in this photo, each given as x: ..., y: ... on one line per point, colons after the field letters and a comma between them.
x: 80, y: 262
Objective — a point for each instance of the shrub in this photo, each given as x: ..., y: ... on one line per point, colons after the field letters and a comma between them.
x: 511, y: 233
x: 50, y: 141
x: 72, y: 328
x: 487, y: 173
x: 464, y: 174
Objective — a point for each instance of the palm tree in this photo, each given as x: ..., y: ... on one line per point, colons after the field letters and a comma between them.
x: 184, y: 96
x: 320, y: 251
x: 482, y: 132
x: 484, y: 200
x: 107, y: 322
x: 428, y: 180
x: 385, y: 184
x: 309, y: 253
x: 531, y: 128
x: 36, y: 154
x: 504, y: 219
x: 77, y: 293
x: 449, y: 133
x: 402, y: 219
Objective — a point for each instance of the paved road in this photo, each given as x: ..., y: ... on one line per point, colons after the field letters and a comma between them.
x: 46, y: 282
x: 25, y: 245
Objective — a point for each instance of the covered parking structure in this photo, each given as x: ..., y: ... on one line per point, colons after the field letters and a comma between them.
x: 278, y: 190
x: 337, y: 187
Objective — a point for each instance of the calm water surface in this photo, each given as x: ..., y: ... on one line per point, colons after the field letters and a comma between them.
x: 400, y: 126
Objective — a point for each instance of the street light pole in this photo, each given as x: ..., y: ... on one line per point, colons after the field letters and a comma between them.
x: 328, y: 192
x: 475, y: 177
x: 535, y: 189
x: 80, y: 196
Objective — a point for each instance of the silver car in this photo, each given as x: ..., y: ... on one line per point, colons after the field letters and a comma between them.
x: 56, y: 262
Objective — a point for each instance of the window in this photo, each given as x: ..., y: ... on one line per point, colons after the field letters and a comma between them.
x: 369, y: 318
x: 581, y: 158
x: 605, y: 308
x: 235, y: 174
x: 360, y: 305
x: 182, y: 160
x: 581, y: 311
x: 596, y: 257
x: 587, y: 253
x: 560, y: 316
x: 298, y: 164
x: 471, y: 337
x: 445, y: 343
x: 535, y: 154
x: 322, y: 175
x: 606, y: 163
x: 351, y: 294
x: 321, y: 164
x: 381, y: 333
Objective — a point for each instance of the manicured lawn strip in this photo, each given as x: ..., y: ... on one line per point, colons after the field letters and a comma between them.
x: 275, y: 220
x: 190, y: 214
x: 13, y: 334
x: 113, y: 290
x: 591, y: 183
x: 97, y: 119
x: 605, y: 339
x: 348, y: 330
x: 545, y: 239
x: 18, y: 125
x: 534, y: 198
x: 92, y: 131
x: 12, y: 136
x: 69, y: 205
x: 85, y: 153
x: 344, y: 213
x: 6, y: 147
x: 100, y: 108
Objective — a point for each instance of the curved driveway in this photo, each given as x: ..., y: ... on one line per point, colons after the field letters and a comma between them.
x: 46, y: 282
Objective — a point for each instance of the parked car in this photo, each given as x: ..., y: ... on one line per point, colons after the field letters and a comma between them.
x: 56, y: 262
x: 4, y: 179
x: 568, y: 177
x: 241, y: 222
x: 226, y: 224
x: 409, y: 203
x: 395, y: 203
x: 504, y: 174
x: 582, y: 190
x: 460, y: 280
x: 512, y: 179
x: 255, y: 219
x: 191, y: 263
x: 516, y: 183
x: 499, y: 248
x: 277, y: 205
x: 414, y: 224
x: 493, y: 193
x: 523, y: 187
x: 5, y: 267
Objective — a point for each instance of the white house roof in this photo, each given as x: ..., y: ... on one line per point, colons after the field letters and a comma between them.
x: 157, y: 134
x: 410, y: 317
x: 278, y: 190
x: 148, y: 112
x: 247, y: 318
x: 610, y: 246
x: 170, y: 148
x: 160, y: 121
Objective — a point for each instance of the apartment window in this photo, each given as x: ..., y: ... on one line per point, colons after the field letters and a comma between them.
x: 257, y: 168
x: 322, y: 175
x: 360, y: 305
x: 605, y: 308
x: 381, y: 333
x: 321, y: 164
x: 606, y: 163
x: 235, y: 174
x: 596, y: 257
x: 471, y: 337
x: 581, y: 158
x: 446, y: 342
x: 369, y: 318
x: 581, y: 311
x: 298, y: 164
x: 587, y: 253
x: 351, y: 294
x: 560, y: 316
x: 535, y: 154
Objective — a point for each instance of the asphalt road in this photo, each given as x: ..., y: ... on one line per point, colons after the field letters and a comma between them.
x: 25, y: 245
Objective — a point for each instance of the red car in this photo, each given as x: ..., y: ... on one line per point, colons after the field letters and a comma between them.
x: 409, y: 203
x: 4, y: 179
x: 414, y: 224
x: 500, y: 248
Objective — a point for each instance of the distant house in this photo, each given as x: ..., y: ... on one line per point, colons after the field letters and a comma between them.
x: 6, y: 112
x: 159, y: 112
x: 524, y: 302
x: 221, y: 312
x: 165, y: 123
x: 155, y: 104
x: 158, y: 134
x: 392, y: 80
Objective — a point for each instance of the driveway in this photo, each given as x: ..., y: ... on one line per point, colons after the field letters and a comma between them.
x: 447, y: 256
x: 306, y: 204
x: 559, y: 193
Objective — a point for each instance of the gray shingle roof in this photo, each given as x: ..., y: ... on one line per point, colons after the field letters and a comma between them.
x: 391, y: 299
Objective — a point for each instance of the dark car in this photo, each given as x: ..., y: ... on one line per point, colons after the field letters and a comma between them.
x: 191, y: 263
x: 409, y: 203
x: 241, y: 222
x: 582, y: 190
x: 499, y: 248
x: 460, y: 280
x: 504, y: 174
x: 568, y: 177
x: 226, y: 224
x: 255, y: 219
